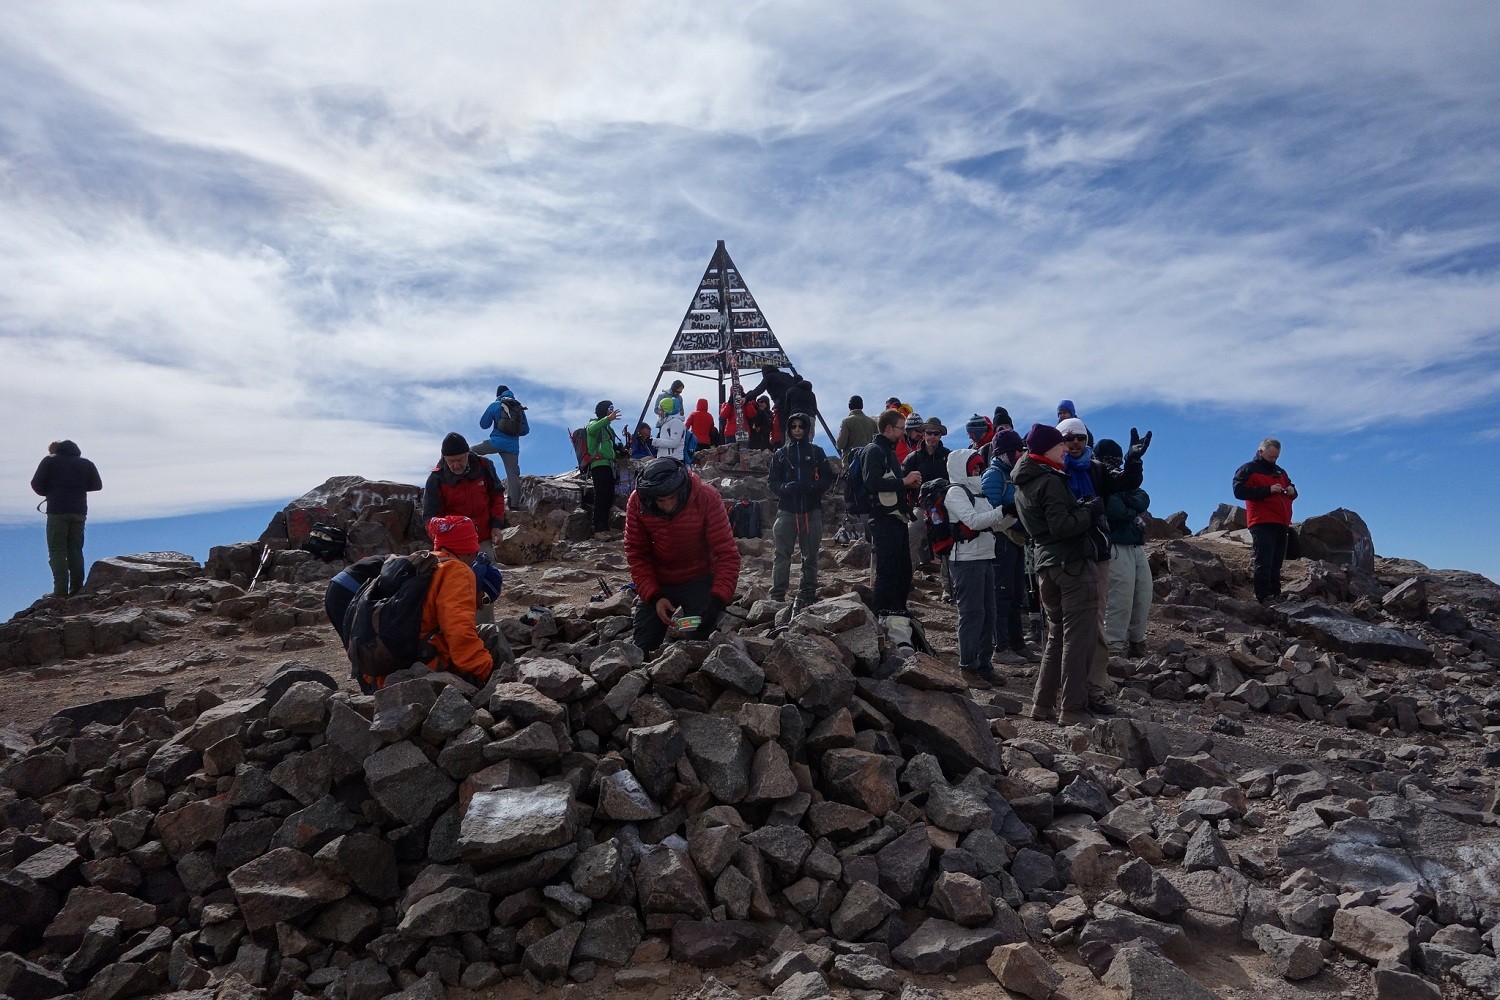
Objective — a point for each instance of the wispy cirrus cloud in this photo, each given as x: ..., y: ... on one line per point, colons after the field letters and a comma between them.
x: 238, y: 239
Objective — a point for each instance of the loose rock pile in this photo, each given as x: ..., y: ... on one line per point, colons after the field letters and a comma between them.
x: 837, y: 812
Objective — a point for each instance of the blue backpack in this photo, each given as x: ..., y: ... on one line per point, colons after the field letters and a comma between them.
x: 856, y: 496
x: 689, y: 447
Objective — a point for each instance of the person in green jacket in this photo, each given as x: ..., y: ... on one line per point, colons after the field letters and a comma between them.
x: 599, y: 438
x: 1129, y: 602
x: 1069, y: 584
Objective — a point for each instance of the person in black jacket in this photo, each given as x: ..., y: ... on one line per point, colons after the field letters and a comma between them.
x: 800, y: 475
x: 66, y: 479
x: 890, y: 511
x: 930, y: 460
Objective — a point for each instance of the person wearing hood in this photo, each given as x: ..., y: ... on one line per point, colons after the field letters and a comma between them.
x: 599, y: 440
x: 1058, y: 524
x: 800, y: 398
x: 799, y: 476
x: 1011, y: 599
x: 465, y: 483
x: 640, y: 443
x: 1129, y: 602
x: 507, y: 424
x: 683, y: 557
x: 670, y: 428
x: 66, y: 479
x: 971, y: 562
x: 701, y: 423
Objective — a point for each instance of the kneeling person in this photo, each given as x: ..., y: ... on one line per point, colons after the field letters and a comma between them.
x: 683, y: 558
x: 800, y: 475
x: 460, y: 585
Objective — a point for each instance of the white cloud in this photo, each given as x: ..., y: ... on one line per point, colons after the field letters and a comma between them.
x: 236, y: 237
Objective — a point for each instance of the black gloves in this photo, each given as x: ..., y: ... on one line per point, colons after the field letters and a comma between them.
x: 1095, y: 504
x: 1138, y: 445
x: 1009, y: 510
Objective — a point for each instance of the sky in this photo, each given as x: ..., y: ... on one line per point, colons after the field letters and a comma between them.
x: 247, y: 247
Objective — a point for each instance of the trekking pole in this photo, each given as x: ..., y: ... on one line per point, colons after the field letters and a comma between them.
x: 265, y: 558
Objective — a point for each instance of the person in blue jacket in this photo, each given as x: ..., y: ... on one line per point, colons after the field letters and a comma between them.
x: 506, y: 443
x: 1011, y: 598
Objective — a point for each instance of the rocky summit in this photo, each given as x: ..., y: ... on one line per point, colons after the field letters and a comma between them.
x: 1294, y: 799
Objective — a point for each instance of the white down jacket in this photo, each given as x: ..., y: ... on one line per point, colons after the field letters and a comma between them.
x: 967, y: 504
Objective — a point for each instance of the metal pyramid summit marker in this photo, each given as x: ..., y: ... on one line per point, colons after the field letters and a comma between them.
x: 723, y: 333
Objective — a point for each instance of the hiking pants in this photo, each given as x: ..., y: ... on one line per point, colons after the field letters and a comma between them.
x: 512, y: 462
x: 691, y: 598
x: 1129, y: 597
x: 1099, y: 681
x: 1268, y: 542
x: 65, y: 552
x: 1070, y: 595
x: 974, y: 589
x: 892, y: 563
x: 1010, y: 594
x: 603, y: 477
x: 804, y: 532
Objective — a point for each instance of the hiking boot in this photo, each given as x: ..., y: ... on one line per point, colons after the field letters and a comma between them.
x: 778, y: 598
x: 1135, y: 650
x: 1072, y: 718
x: 1026, y: 653
x: 983, y: 676
x: 1042, y: 713
x: 1009, y: 658
x: 1100, y: 705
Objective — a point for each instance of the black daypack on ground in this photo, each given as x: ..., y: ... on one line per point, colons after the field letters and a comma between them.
x: 326, y: 541
x: 511, y: 417
x: 384, y: 621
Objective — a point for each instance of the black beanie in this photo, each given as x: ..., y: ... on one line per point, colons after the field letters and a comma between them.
x: 500, y: 388
x: 1108, y: 449
x: 856, y: 402
x: 454, y: 444
x: 1002, y: 416
x: 603, y: 408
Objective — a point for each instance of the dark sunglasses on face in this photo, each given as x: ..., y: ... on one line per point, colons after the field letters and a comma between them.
x: 1070, y: 438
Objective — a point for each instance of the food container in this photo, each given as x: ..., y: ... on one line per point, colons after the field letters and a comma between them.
x: 688, y: 623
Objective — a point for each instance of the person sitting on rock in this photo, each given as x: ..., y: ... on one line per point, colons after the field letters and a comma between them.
x: 1058, y: 524
x: 682, y: 554
x: 460, y: 586
x: 641, y: 448
x: 467, y: 484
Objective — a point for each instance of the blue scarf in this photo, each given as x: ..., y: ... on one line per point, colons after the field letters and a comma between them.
x: 1079, y: 480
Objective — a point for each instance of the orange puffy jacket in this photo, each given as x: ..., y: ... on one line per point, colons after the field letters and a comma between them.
x: 452, y: 599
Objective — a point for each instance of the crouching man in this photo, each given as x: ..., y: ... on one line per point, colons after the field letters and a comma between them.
x: 682, y: 554
x: 461, y: 584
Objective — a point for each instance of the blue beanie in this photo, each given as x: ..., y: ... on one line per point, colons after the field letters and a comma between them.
x: 1066, y: 405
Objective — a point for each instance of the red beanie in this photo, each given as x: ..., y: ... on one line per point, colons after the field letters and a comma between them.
x: 455, y: 533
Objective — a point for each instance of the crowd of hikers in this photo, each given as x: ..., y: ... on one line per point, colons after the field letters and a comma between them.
x: 1051, y: 523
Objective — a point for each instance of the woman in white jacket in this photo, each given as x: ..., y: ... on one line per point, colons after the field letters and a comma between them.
x: 971, y: 562
x: 671, y: 428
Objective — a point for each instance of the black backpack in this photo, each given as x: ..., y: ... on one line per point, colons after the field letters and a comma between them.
x: 326, y: 541
x: 383, y: 625
x: 856, y: 496
x: 512, y: 417
x: 744, y: 518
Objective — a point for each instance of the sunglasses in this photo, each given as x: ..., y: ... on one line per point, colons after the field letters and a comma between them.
x: 933, y: 434
x: 1070, y: 438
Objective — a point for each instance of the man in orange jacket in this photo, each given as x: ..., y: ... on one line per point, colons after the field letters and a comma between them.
x: 457, y: 589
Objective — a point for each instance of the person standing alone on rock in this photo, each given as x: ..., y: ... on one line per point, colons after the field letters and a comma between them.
x: 66, y: 479
x: 683, y: 558
x: 800, y: 475
x: 507, y: 423
x: 1268, y: 494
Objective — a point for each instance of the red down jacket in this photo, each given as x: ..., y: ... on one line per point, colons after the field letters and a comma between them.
x: 476, y: 493
x: 693, y: 542
x: 1252, y: 484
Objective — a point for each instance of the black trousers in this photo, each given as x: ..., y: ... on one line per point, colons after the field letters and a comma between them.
x: 603, y: 477
x: 1011, y: 599
x: 888, y: 534
x: 1268, y: 542
x: 691, y: 598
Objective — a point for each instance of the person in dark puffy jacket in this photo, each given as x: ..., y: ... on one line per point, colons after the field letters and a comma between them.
x: 1268, y: 494
x: 66, y: 479
x: 683, y: 558
x: 799, y: 476
x: 465, y: 483
x: 1129, y: 602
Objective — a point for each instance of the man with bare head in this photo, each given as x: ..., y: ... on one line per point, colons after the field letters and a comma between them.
x: 1268, y: 494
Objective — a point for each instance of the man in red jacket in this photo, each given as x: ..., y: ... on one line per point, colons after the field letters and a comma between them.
x: 466, y: 483
x: 682, y: 553
x: 1268, y: 494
